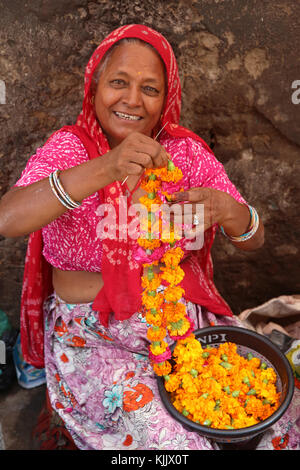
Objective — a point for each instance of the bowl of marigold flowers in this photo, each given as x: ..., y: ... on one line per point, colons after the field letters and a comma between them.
x: 229, y: 384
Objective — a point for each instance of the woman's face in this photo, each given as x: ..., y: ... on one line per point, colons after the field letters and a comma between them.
x: 130, y: 93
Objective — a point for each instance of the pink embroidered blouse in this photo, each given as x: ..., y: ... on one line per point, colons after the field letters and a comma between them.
x: 71, y: 241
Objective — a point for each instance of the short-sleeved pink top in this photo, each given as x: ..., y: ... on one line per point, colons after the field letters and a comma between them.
x: 72, y: 242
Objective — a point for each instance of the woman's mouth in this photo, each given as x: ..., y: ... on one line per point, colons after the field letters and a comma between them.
x: 127, y: 117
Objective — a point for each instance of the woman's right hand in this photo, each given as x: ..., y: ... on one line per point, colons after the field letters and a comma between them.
x: 133, y: 155
x: 27, y: 209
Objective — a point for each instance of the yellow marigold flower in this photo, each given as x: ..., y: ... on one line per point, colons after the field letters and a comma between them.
x: 172, y: 275
x: 173, y: 293
x: 188, y: 340
x: 179, y: 328
x: 153, y: 284
x: 152, y: 227
x: 149, y: 226
x: 149, y: 244
x: 189, y: 385
x: 173, y: 383
x: 187, y: 353
x: 156, y: 320
x: 158, y: 349
x: 173, y: 257
x: 152, y: 302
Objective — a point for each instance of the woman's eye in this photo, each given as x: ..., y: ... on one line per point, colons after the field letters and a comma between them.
x: 118, y: 82
x: 150, y: 90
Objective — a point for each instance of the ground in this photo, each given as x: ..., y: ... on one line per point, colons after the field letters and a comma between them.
x: 19, y: 409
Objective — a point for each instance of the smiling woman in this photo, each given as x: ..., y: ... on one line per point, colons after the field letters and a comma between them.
x: 81, y: 312
x: 130, y: 92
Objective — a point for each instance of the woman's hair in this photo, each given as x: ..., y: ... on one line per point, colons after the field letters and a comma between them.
x: 103, y: 64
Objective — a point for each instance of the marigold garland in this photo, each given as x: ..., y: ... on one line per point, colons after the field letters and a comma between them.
x: 214, y: 386
x: 164, y: 313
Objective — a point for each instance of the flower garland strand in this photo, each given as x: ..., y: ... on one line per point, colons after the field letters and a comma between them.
x: 165, y: 314
x: 214, y: 386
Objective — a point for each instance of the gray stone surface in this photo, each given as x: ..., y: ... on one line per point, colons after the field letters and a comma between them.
x: 2, y: 444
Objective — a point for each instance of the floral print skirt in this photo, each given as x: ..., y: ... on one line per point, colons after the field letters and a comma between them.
x: 101, y: 384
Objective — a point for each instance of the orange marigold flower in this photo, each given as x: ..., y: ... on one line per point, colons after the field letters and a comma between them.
x: 179, y: 328
x: 153, y: 284
x: 156, y: 320
x: 173, y: 256
x: 150, y: 172
x: 162, y: 369
x: 156, y: 333
x: 149, y: 203
x: 174, y: 312
x: 172, y: 275
x: 173, y: 382
x: 150, y: 185
x: 166, y: 194
x: 149, y: 244
x: 170, y: 176
x: 152, y: 301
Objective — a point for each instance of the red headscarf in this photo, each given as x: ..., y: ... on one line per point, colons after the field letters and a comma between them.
x: 121, y: 294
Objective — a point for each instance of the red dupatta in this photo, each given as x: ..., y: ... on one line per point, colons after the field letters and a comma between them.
x: 121, y: 293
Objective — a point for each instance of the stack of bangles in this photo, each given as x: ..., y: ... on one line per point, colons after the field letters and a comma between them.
x: 254, y: 223
x: 60, y: 193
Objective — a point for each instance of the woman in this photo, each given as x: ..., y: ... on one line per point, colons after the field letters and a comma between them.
x: 99, y: 379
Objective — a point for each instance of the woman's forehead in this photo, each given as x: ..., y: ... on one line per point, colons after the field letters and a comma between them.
x: 136, y: 58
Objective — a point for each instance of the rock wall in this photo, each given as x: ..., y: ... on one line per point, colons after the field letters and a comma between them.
x: 238, y: 64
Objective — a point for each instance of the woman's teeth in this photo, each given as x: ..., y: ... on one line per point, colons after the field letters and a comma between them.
x: 129, y: 117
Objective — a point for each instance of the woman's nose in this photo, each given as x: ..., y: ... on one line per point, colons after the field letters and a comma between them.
x: 132, y: 96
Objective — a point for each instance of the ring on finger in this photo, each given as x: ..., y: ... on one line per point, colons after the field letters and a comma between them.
x: 196, y: 220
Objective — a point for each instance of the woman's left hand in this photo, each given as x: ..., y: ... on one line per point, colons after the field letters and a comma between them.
x: 217, y: 204
x: 222, y: 209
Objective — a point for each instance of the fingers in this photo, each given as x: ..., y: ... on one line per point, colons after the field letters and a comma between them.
x: 161, y: 159
x: 156, y: 152
x: 192, y: 195
x: 136, y: 153
x: 144, y: 144
x: 213, y: 201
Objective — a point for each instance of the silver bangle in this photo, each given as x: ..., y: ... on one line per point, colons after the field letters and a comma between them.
x: 60, y: 193
x: 252, y: 230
